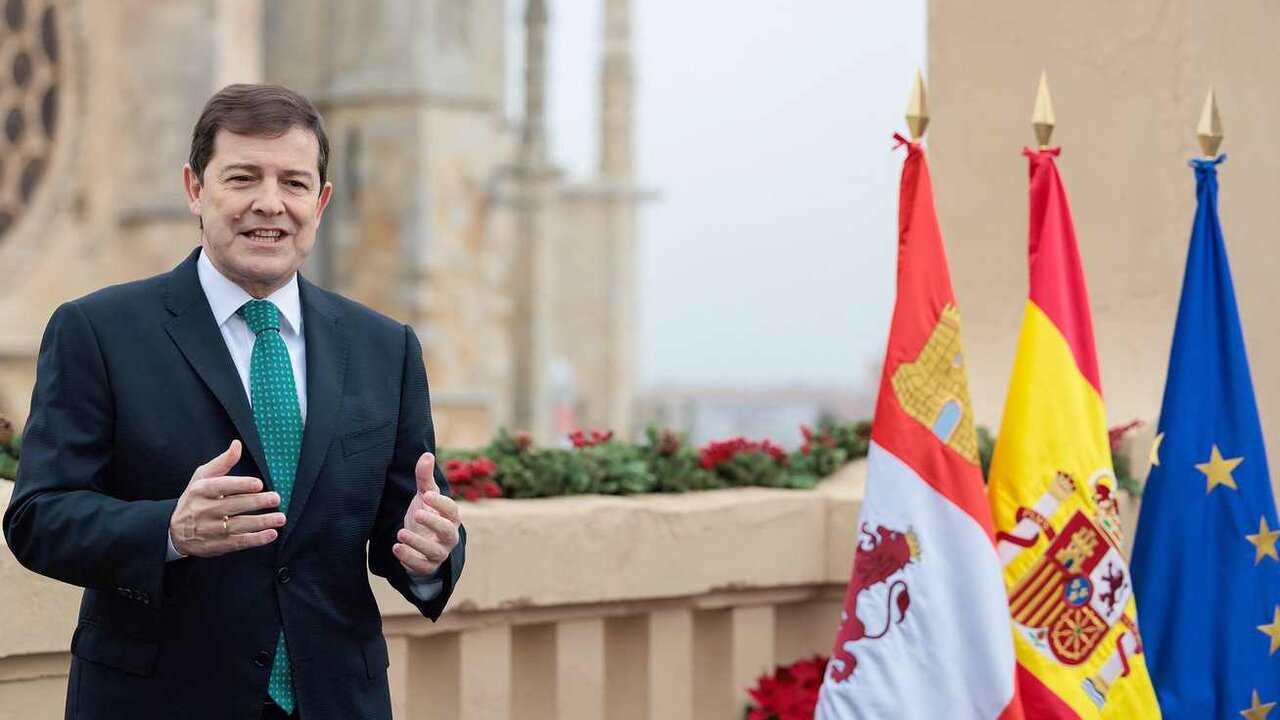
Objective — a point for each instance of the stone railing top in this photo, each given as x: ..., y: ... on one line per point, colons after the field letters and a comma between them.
x: 568, y: 551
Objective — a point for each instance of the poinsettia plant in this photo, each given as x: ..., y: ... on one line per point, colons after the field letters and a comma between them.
x: 740, y: 462
x: 1120, y: 460
x: 790, y: 692
x: 581, y: 439
x: 472, y: 479
x: 819, y: 456
x: 676, y: 463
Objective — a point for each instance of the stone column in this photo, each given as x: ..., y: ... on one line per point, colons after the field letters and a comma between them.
x: 531, y: 287
x: 617, y: 137
x: 237, y: 31
x: 485, y: 674
x: 671, y: 665
x: 412, y: 94
x: 580, y: 662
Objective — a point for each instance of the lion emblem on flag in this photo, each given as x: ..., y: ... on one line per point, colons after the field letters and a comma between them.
x: 881, y: 555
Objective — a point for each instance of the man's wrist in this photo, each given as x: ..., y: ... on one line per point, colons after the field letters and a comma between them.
x: 172, y: 552
x: 429, y: 577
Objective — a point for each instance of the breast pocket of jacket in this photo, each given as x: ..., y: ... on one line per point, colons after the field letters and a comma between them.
x: 362, y: 441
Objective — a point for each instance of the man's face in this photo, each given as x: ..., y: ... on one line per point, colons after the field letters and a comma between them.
x: 260, y: 203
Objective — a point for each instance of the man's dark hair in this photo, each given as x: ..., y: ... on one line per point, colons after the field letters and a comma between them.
x: 257, y: 110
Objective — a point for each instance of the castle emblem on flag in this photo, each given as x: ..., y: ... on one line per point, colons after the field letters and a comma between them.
x: 932, y: 387
x: 1078, y: 588
x: 881, y: 556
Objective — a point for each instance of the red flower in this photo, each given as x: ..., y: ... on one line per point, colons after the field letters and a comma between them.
x: 473, y: 480
x: 1116, y: 434
x: 790, y: 693
x: 719, y: 451
x: 823, y: 439
x: 580, y: 439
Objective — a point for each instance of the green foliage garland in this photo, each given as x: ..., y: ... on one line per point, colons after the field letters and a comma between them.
x: 10, y: 449
x: 664, y: 461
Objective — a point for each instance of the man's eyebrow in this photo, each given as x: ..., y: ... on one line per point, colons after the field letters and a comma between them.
x: 257, y: 169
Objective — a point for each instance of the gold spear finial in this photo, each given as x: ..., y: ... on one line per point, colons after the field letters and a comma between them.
x: 1210, y: 130
x: 1042, y: 115
x: 917, y: 108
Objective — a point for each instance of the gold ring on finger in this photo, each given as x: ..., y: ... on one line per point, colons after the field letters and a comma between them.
x: 225, y: 529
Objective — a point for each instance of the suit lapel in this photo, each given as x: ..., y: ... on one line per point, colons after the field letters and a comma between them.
x: 326, y: 371
x: 195, y: 332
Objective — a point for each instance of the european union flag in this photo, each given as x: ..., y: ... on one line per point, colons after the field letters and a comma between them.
x: 1205, y: 566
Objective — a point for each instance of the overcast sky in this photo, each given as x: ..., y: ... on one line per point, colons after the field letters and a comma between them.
x: 768, y: 257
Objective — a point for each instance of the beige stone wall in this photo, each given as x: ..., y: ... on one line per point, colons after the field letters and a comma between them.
x: 1128, y: 82
x: 659, y: 606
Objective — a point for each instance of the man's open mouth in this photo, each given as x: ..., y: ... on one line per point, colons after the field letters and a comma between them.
x: 265, y: 236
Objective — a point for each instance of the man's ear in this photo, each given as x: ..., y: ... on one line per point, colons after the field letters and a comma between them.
x: 326, y: 192
x: 191, y: 183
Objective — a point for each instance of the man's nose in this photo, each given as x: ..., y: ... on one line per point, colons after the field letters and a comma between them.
x: 269, y: 201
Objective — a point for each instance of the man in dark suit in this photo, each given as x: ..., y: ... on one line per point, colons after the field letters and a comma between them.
x: 215, y: 454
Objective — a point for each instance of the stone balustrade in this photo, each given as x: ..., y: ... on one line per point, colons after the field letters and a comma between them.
x: 653, y: 606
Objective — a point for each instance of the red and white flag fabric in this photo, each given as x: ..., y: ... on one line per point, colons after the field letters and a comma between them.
x: 925, y: 628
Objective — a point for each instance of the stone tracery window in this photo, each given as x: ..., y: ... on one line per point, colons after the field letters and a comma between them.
x: 29, y: 77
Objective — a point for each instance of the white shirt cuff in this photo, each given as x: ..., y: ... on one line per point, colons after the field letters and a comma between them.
x: 425, y: 587
x: 171, y: 553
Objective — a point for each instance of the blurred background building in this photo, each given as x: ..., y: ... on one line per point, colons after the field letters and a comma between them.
x: 446, y: 215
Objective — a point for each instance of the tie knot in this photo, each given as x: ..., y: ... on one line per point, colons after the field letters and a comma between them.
x: 260, y: 315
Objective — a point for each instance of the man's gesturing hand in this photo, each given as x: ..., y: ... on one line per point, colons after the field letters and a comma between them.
x: 430, y: 529
x: 211, y: 518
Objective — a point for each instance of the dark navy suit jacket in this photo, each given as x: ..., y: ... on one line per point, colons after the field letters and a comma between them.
x: 135, y: 388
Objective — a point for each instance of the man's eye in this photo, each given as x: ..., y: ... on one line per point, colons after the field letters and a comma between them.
x: 298, y: 184
x: 240, y: 178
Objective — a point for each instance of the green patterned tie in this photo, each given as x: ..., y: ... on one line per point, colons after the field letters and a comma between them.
x: 279, y: 421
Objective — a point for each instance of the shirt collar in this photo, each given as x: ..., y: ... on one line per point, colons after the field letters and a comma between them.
x: 225, y: 297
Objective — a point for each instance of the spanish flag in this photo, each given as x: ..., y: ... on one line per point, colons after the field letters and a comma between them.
x: 1053, y: 494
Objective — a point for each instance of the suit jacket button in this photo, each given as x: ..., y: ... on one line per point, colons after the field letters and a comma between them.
x: 262, y: 659
x: 283, y: 574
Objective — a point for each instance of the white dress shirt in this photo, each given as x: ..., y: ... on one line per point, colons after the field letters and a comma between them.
x: 225, y: 298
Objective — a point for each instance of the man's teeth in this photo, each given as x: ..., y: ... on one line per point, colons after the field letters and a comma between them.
x: 266, y: 234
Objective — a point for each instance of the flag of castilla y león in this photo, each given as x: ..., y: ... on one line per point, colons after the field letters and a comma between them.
x: 1053, y: 494
x: 925, y: 630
